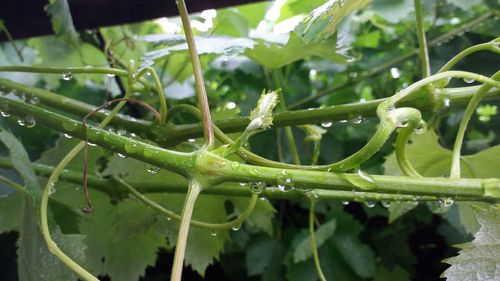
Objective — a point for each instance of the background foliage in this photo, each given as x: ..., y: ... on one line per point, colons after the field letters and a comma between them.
x: 123, y: 240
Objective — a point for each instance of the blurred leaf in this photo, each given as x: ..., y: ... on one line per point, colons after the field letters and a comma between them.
x: 322, y: 22
x: 230, y: 22
x: 465, y: 4
x: 397, y: 273
x: 62, y: 21
x: 397, y: 209
x: 275, y: 56
x: 369, y: 40
x: 393, y: 11
x: 262, y: 255
x: 479, y: 260
x: 303, y: 250
x: 11, y: 205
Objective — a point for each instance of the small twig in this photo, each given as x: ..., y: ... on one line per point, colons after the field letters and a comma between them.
x: 422, y: 42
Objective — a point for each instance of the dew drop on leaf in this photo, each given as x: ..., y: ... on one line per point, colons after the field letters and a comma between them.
x: 357, y: 120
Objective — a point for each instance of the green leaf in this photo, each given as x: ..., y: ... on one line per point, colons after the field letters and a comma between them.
x: 35, y: 262
x: 264, y: 256
x: 322, y: 23
x: 62, y: 21
x: 465, y: 4
x: 396, y: 273
x: 204, y: 45
x: 122, y: 240
x: 275, y: 56
x: 303, y: 250
x: 22, y: 163
x: 230, y: 22
x: 397, y: 209
x: 479, y: 260
x: 369, y: 40
x: 393, y: 11
x: 302, y: 271
x: 261, y: 217
x: 11, y: 205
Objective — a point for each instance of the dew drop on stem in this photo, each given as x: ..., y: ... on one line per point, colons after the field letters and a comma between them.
x: 67, y: 76
x: 257, y: 187
x: 284, y: 181
x: 345, y: 202
x: 370, y: 204
x: 235, y: 165
x: 236, y: 227
x: 152, y: 169
x: 326, y: 124
x: 4, y: 109
x: 122, y: 155
x: 29, y: 121
x: 68, y: 136
x: 20, y: 121
x: 213, y: 233
x: 385, y: 203
x: 469, y: 80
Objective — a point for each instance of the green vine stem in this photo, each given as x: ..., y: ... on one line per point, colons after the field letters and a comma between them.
x: 13, y: 185
x: 226, y: 189
x: 194, y: 189
x: 159, y: 90
x: 469, y: 111
x: 170, y: 214
x: 422, y: 42
x: 70, y: 70
x: 198, y: 76
x: 171, y: 135
x: 314, y: 249
x: 222, y: 169
x: 400, y: 149
x: 492, y: 46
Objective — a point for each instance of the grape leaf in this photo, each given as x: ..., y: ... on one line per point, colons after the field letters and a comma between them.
x: 438, y: 163
x: 261, y: 217
x: 122, y: 240
x: 302, y: 271
x: 62, y: 21
x: 396, y: 273
x: 11, y: 205
x: 479, y: 260
x: 263, y: 256
x: 275, y: 56
x: 303, y: 250
x: 322, y: 22
x: 393, y: 11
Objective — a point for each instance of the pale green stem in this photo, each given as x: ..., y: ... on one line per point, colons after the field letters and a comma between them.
x: 489, y: 46
x: 312, y: 234
x: 15, y: 186
x: 162, y: 98
x: 172, y: 215
x: 194, y: 190
x: 198, y: 76
x: 469, y: 111
x: 401, y: 154
x: 422, y: 42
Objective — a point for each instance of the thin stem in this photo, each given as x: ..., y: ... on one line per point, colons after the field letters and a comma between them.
x: 312, y: 234
x: 422, y: 42
x: 469, y: 111
x: 401, y: 154
x: 489, y: 46
x: 170, y: 214
x: 4, y: 28
x: 198, y: 77
x: 13, y: 185
x: 162, y: 98
x: 194, y: 190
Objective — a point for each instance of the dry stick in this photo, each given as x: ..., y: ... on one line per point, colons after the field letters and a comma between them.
x: 89, y: 207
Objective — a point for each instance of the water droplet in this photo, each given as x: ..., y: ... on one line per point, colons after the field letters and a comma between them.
x: 20, y: 121
x: 131, y: 147
x: 262, y: 198
x: 304, y: 189
x: 362, y: 180
x: 353, y: 74
x: 420, y: 129
x: 68, y: 136
x: 133, y: 136
x: 469, y: 80
x: 34, y: 100
x: 169, y: 218
x: 67, y: 76
x: 345, y: 202
x: 403, y: 124
x: 29, y: 121
x: 231, y: 105
x: 343, y: 121
x: 121, y: 155
x: 258, y: 187
x: 110, y: 75
x: 454, y: 21
x: 236, y: 227
x: 243, y: 184
x: 70, y: 126
x: 213, y: 233
x: 152, y: 169
x: 370, y: 204
x: 395, y: 73
x: 191, y: 140
x: 235, y: 165
x: 386, y: 203
x: 326, y: 124
x: 121, y: 132
x: 52, y: 188
x: 4, y: 109
x: 284, y: 181
x: 357, y: 120
x: 447, y: 202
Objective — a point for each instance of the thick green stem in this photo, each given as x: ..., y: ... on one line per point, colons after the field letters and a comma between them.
x: 314, y: 249
x: 198, y: 76
x: 469, y: 111
x: 422, y: 42
x: 194, y: 190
